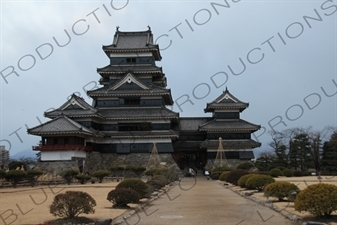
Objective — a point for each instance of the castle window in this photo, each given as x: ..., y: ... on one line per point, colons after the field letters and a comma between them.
x: 131, y: 101
x: 130, y: 60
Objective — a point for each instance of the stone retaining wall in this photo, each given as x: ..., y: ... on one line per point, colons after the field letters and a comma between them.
x: 55, y: 167
x: 97, y: 161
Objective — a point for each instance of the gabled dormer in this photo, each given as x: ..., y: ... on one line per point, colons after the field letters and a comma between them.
x: 75, y: 106
x: 129, y: 82
x: 226, y: 106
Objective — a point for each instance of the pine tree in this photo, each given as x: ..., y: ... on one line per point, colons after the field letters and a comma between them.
x: 281, y: 156
x: 329, y: 156
x: 300, y: 152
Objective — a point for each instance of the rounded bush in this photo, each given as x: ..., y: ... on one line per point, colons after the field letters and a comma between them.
x: 275, y: 172
x: 157, y: 182
x: 242, y: 181
x: 217, y: 171
x: 123, y: 196
x: 259, y: 181
x: 280, y: 190
x: 317, y: 199
x: 151, y: 172
x: 298, y: 173
x: 234, y: 175
x: 135, y: 184
x: 160, y: 178
x: 245, y: 166
x: 214, y: 176
x: 220, y: 169
x: 287, y: 173
x: 223, y: 175
x: 281, y: 168
x: 72, y: 203
x: 172, y: 176
x: 117, y: 170
x: 138, y: 170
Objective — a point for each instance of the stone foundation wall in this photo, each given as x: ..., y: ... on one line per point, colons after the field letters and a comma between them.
x: 56, y: 167
x: 104, y: 161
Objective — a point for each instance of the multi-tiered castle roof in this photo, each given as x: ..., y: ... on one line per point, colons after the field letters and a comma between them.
x: 128, y: 113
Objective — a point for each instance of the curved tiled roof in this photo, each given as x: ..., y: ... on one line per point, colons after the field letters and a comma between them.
x: 139, y: 113
x: 140, y: 41
x: 74, y: 107
x: 153, y: 90
x: 192, y: 124
x: 60, y: 125
x: 231, y: 144
x: 121, y: 69
x: 229, y: 125
x: 144, y: 134
x: 226, y: 101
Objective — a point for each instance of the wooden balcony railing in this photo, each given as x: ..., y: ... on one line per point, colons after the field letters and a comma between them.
x: 62, y: 147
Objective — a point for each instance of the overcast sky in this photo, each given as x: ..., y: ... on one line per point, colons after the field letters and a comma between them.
x: 280, y: 56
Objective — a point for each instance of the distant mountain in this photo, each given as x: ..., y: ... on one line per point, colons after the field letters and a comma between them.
x: 28, y: 153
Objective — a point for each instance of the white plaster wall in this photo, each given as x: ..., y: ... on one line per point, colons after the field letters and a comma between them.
x: 61, y: 155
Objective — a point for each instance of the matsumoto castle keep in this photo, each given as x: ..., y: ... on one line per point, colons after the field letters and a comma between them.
x: 128, y: 115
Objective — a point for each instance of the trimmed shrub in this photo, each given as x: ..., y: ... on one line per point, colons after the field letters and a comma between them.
x: 82, y: 178
x: 72, y: 203
x: 242, y: 181
x: 15, y: 176
x: 161, y: 171
x: 287, y: 173
x: 172, y: 176
x: 138, y: 170
x: 117, y: 171
x: 298, y: 173
x: 160, y: 178
x: 223, y: 175
x: 100, y: 174
x: 281, y: 168
x: 220, y: 169
x: 275, y: 172
x: 33, y: 175
x: 280, y: 189
x: 317, y: 199
x: 158, y: 181
x: 151, y: 172
x: 214, y: 176
x: 259, y: 181
x: 68, y: 175
x: 217, y: 171
x: 135, y: 184
x: 245, y: 166
x: 169, y: 174
x: 122, y: 197
x: 234, y: 175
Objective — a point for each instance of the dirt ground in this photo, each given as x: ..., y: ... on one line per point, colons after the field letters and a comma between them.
x: 29, y: 205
